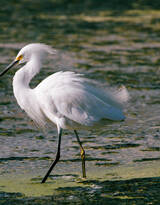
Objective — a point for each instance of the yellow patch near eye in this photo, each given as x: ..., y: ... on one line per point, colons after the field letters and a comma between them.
x: 19, y: 58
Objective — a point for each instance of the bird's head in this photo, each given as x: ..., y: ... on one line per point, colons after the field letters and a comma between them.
x: 37, y: 50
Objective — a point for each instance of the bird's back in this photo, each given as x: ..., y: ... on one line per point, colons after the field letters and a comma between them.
x: 78, y: 99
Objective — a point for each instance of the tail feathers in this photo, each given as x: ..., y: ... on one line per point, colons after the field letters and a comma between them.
x: 121, y: 96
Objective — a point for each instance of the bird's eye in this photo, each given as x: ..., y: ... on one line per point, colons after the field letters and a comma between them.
x: 19, y: 58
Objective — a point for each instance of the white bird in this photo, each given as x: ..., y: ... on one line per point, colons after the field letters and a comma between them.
x: 66, y: 99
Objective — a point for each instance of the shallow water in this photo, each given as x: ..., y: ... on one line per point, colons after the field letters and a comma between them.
x: 123, y: 159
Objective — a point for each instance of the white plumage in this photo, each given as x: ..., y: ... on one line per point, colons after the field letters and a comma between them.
x: 67, y: 99
x: 74, y: 100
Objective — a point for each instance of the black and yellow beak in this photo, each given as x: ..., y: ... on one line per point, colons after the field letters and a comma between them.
x: 11, y: 65
x: 8, y: 67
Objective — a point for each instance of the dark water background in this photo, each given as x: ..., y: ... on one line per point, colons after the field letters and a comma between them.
x: 115, y: 43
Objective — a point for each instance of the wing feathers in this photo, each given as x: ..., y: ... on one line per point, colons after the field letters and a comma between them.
x: 80, y: 100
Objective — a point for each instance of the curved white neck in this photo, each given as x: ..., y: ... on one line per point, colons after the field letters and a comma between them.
x: 21, y: 80
x: 23, y: 76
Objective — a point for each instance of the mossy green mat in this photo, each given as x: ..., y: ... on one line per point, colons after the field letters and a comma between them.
x: 29, y: 185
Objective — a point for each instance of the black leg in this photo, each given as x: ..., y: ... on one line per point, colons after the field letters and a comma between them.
x: 57, y: 157
x: 82, y: 155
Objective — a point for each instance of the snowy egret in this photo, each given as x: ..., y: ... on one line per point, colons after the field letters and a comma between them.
x: 66, y: 99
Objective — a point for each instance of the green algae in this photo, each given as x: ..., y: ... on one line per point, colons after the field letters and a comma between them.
x: 122, y: 184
